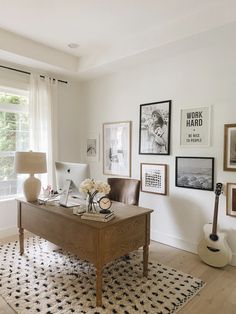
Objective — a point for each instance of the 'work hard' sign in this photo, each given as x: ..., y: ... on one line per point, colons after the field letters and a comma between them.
x: 195, y: 126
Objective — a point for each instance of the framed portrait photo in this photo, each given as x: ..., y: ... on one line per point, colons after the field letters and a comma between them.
x: 231, y: 199
x: 153, y: 178
x: 195, y: 173
x: 195, y: 126
x: 117, y: 148
x: 230, y: 147
x: 154, y: 128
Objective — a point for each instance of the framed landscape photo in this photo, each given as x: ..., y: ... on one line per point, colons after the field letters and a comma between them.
x: 117, y: 148
x: 195, y: 173
x: 154, y: 128
x: 153, y: 178
x: 231, y: 199
x: 230, y: 147
x: 195, y: 126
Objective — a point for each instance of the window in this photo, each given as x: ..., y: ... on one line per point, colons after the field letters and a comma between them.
x: 14, y: 136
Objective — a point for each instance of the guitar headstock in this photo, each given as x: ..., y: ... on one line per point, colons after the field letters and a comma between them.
x: 218, y: 189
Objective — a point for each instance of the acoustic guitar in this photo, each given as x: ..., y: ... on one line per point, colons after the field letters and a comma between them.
x: 214, y: 249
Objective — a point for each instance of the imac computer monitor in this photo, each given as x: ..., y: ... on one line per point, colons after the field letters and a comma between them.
x: 73, y: 173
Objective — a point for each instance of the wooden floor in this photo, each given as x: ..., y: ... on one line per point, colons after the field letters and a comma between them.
x: 217, y: 297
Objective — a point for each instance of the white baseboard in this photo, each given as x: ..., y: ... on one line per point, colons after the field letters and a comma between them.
x: 179, y: 243
x: 8, y: 232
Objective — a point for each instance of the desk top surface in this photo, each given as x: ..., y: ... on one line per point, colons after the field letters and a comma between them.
x: 122, y: 212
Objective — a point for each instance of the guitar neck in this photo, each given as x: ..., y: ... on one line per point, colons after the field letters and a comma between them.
x: 214, y: 226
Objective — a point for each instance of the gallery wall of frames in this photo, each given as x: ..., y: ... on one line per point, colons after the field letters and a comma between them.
x: 191, y: 172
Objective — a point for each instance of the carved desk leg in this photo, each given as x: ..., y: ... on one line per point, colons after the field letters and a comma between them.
x: 145, y: 260
x: 146, y: 246
x: 99, y: 286
x: 21, y: 240
x: 21, y: 230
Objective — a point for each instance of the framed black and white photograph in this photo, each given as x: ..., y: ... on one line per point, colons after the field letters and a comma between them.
x: 195, y: 127
x: 153, y: 178
x: 117, y: 148
x: 92, y: 147
x: 154, y: 128
x: 230, y: 147
x: 195, y: 173
x: 231, y: 199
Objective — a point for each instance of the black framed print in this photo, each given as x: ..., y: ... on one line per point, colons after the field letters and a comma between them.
x: 195, y: 173
x: 154, y: 128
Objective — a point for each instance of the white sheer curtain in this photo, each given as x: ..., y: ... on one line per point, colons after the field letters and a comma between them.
x: 43, y: 121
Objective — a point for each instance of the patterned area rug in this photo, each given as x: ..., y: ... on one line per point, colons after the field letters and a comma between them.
x: 44, y: 281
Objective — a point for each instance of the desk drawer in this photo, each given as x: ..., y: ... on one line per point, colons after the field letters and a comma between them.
x: 70, y: 235
x: 124, y: 237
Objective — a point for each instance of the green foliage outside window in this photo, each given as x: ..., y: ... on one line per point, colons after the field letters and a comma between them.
x: 14, y: 133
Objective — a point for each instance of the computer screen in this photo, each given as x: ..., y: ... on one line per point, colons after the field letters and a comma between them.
x: 75, y: 172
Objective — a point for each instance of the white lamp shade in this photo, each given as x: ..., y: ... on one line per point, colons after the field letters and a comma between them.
x: 30, y: 162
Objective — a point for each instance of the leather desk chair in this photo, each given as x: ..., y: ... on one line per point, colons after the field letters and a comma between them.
x: 124, y: 190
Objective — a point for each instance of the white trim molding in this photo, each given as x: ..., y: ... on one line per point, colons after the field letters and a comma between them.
x: 8, y: 232
x: 180, y: 243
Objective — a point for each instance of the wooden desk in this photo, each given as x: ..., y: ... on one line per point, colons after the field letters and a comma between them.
x: 96, y: 242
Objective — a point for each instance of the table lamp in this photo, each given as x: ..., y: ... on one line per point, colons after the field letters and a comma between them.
x: 31, y: 163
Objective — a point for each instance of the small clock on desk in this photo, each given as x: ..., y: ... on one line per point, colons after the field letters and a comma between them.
x: 104, y: 203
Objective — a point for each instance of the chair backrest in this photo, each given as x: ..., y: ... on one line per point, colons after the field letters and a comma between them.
x: 124, y: 190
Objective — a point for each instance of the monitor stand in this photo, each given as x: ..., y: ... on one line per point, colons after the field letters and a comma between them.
x: 64, y: 197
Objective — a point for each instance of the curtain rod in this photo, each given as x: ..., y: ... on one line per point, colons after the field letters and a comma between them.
x: 25, y: 72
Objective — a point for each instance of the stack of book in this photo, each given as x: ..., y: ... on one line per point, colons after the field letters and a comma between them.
x: 98, y: 216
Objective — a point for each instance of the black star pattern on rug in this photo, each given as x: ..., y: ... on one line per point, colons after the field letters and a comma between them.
x: 44, y: 281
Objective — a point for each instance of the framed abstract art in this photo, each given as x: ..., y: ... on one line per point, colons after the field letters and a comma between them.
x: 117, y: 148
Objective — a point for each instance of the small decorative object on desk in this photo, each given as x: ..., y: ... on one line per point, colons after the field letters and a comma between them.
x: 47, y: 191
x: 98, y: 217
x: 92, y: 188
x: 104, y: 203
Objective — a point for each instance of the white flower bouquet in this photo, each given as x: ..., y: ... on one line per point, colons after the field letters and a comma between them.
x: 91, y: 188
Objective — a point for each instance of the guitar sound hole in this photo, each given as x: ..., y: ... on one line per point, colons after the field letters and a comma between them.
x: 212, y: 249
x: 214, y: 237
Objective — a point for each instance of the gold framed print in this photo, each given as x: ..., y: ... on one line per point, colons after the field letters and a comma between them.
x: 117, y: 148
x: 153, y: 178
x: 230, y: 147
x: 231, y: 199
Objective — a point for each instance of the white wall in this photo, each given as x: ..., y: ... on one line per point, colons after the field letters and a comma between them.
x: 199, y: 71
x: 69, y: 115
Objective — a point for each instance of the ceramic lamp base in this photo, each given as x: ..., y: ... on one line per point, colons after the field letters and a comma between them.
x: 31, y: 188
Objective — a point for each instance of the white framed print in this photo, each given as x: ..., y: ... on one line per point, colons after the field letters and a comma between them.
x: 153, y: 178
x: 195, y: 126
x: 92, y: 147
x: 117, y: 148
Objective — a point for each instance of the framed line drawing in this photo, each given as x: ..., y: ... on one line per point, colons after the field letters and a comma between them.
x: 195, y: 126
x: 92, y: 147
x: 231, y: 199
x: 154, y: 128
x: 117, y: 148
x: 195, y: 173
x: 153, y: 178
x: 230, y: 147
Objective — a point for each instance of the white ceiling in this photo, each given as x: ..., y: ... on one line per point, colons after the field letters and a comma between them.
x: 36, y: 33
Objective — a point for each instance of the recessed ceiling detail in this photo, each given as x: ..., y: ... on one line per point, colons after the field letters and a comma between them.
x: 107, y: 31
